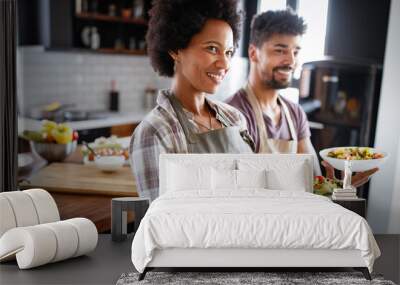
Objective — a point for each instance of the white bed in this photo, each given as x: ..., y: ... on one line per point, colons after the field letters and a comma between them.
x: 220, y: 211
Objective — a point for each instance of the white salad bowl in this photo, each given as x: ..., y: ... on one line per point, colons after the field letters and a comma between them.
x: 356, y: 165
x: 109, y: 163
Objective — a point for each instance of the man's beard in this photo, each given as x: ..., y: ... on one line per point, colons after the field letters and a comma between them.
x: 275, y: 84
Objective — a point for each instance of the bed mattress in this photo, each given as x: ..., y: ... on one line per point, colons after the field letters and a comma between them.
x: 250, y: 219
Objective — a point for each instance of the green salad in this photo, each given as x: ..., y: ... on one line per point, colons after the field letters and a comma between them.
x: 355, y: 153
x: 324, y: 186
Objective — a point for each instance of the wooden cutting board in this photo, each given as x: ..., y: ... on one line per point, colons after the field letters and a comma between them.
x: 83, y: 179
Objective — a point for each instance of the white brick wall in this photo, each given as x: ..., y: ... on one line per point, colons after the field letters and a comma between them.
x: 84, y: 79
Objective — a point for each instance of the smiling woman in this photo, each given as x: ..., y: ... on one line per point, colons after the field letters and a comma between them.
x: 192, y: 42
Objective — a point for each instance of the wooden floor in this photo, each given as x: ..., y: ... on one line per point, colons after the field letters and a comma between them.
x: 110, y: 259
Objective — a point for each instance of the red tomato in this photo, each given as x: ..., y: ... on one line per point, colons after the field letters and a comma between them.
x: 75, y: 136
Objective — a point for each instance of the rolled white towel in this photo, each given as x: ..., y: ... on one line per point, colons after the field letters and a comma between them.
x: 40, y: 244
x: 67, y: 240
x: 24, y: 210
x: 33, y: 246
x: 7, y: 218
x: 46, y: 207
x: 87, y: 235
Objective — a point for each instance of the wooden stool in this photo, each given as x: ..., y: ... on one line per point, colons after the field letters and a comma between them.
x: 119, y: 208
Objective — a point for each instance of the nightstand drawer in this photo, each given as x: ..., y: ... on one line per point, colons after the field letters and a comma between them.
x: 357, y: 206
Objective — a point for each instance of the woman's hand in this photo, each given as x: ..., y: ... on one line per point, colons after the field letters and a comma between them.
x: 359, y: 179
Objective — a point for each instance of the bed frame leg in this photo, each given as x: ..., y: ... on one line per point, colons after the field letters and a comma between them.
x: 143, y: 274
x: 364, y: 271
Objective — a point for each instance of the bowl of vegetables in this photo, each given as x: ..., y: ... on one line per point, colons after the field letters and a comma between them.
x: 362, y: 158
x: 111, y: 146
x: 53, y: 142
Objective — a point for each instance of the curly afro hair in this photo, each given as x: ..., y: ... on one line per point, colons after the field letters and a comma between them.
x: 284, y: 22
x: 173, y: 23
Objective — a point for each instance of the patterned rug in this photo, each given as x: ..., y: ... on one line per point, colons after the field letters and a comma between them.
x: 244, y: 278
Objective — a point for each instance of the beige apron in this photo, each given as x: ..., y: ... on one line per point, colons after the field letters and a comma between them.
x: 268, y: 145
x: 229, y: 139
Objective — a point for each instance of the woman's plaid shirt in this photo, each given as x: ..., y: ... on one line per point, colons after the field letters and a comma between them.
x: 161, y: 132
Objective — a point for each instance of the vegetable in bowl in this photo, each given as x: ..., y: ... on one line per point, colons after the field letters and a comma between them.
x: 325, y: 186
x: 355, y: 153
x: 104, y: 147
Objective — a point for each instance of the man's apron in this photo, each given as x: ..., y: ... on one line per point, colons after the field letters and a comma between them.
x: 269, y: 145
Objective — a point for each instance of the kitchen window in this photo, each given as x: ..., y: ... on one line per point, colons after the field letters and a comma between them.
x: 315, y: 15
x: 266, y: 5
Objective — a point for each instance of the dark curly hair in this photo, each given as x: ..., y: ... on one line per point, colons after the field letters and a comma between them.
x: 173, y: 23
x: 284, y: 22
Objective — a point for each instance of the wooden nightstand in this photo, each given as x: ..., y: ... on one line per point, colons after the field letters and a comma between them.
x: 358, y: 205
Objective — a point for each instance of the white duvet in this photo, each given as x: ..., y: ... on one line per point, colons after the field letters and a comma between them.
x: 253, y: 218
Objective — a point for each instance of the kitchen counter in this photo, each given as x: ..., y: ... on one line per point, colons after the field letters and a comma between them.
x: 114, y: 119
x: 82, y: 190
x: 83, y: 179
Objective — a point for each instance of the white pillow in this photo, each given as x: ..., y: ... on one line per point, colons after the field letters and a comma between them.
x: 251, y: 178
x: 224, y: 179
x: 182, y: 177
x: 294, y: 179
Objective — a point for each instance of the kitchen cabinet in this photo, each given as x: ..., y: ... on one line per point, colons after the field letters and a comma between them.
x: 106, y: 26
x: 119, y: 26
x: 45, y: 22
x: 123, y: 130
x: 348, y: 92
x: 357, y: 30
x: 89, y: 135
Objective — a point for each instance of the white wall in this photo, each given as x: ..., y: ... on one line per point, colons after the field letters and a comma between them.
x: 83, y: 79
x: 384, y: 195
